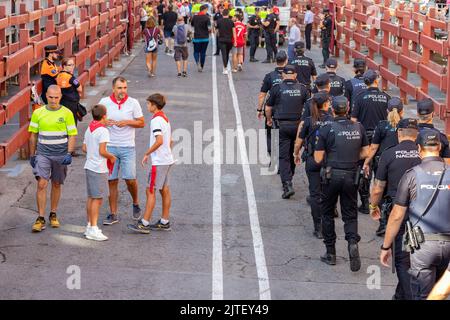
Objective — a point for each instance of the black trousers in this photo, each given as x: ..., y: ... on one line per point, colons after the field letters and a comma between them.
x: 308, y: 30
x: 225, y: 48
x: 254, y: 42
x: 217, y: 45
x: 402, y: 265
x: 341, y: 185
x: 288, y: 134
x: 428, y: 264
x: 325, y: 49
x: 315, y: 190
x: 271, y: 44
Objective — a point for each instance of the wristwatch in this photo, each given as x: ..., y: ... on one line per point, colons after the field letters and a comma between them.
x: 383, y: 248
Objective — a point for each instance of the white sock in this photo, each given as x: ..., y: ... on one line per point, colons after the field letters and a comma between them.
x: 95, y: 228
x: 145, y: 222
x: 164, y: 221
x: 89, y: 225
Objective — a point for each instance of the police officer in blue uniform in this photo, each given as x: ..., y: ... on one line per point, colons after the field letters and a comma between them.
x: 270, y: 79
x: 370, y: 107
x: 343, y: 144
x: 306, y: 138
x: 322, y: 83
x: 287, y: 100
x: 337, y: 83
x: 394, y: 162
x: 423, y: 197
x: 355, y: 85
x: 425, y: 113
x: 305, y: 67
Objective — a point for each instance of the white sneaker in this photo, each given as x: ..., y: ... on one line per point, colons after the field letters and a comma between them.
x: 88, y: 228
x: 96, y: 235
x: 225, y: 71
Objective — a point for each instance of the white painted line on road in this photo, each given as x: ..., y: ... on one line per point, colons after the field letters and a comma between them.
x: 258, y: 246
x: 217, y: 267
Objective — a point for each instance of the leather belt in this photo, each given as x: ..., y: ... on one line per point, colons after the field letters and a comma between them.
x: 437, y: 236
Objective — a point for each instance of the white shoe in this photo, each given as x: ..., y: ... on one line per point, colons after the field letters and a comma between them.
x: 88, y: 229
x: 96, y: 235
x: 225, y: 71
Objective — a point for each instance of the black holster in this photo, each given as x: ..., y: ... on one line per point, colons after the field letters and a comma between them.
x: 413, y: 237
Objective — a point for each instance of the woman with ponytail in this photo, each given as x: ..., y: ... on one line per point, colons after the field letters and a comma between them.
x: 320, y: 116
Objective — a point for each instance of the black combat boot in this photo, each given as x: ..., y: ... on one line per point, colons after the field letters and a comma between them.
x: 353, y: 252
x: 330, y: 256
x: 288, y: 190
x: 364, y: 207
x: 318, y: 230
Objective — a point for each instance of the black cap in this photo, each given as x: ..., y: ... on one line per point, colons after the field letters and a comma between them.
x: 428, y: 138
x: 339, y: 104
x: 322, y: 80
x: 425, y: 106
x: 370, y: 76
x: 289, y: 69
x: 281, y: 56
x: 407, y: 123
x: 359, y: 63
x: 325, y: 10
x: 321, y: 97
x: 331, y: 63
x: 51, y: 48
x: 299, y: 45
x: 395, y: 102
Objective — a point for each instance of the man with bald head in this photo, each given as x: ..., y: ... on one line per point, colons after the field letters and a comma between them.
x: 52, y: 140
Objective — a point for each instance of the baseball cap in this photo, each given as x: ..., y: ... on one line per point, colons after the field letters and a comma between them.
x: 370, y: 76
x: 281, y: 56
x: 395, y: 102
x: 339, y: 103
x: 322, y: 80
x: 299, y: 45
x: 407, y: 123
x: 331, y: 63
x: 359, y: 63
x: 275, y: 10
x: 425, y: 106
x: 321, y: 97
x: 289, y: 69
x: 428, y: 138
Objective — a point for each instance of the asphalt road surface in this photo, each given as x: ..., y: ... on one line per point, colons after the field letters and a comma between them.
x: 233, y: 237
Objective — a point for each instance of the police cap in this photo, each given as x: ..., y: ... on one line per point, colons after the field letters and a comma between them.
x: 299, y: 45
x: 281, y: 56
x: 370, y: 76
x: 395, y: 102
x: 325, y: 10
x: 322, y: 80
x: 51, y: 48
x: 359, y: 63
x: 428, y: 138
x: 339, y: 104
x: 425, y: 106
x: 407, y: 123
x: 289, y: 69
x: 321, y: 97
x: 331, y: 63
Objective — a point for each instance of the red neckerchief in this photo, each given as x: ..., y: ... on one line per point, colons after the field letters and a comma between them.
x: 201, y: 13
x: 119, y: 103
x: 162, y: 115
x: 95, y: 125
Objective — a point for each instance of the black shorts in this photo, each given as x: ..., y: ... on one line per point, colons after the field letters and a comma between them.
x: 181, y: 53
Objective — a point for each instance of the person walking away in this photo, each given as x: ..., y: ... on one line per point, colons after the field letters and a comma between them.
x: 271, y: 26
x: 169, y: 21
x: 217, y: 16
x: 356, y: 84
x: 308, y: 23
x: 152, y: 36
x: 294, y: 36
x: 337, y: 83
x: 96, y: 168
x: 160, y: 9
x: 239, y: 42
x: 181, y: 49
x: 124, y: 117
x: 325, y: 35
x: 160, y: 153
x: 52, y: 140
x: 306, y: 69
x: 144, y: 17
x: 254, y: 29
x: 202, y: 28
x: 227, y: 33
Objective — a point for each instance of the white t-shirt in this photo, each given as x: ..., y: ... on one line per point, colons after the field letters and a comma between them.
x: 129, y: 110
x: 94, y: 161
x: 163, y: 155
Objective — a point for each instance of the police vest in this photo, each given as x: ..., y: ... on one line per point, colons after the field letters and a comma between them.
x: 324, y: 119
x: 437, y: 218
x: 347, y: 145
x: 250, y: 10
x: 387, y: 131
x: 275, y: 77
x: 358, y: 86
x: 290, y: 106
x: 337, y: 84
x: 303, y: 67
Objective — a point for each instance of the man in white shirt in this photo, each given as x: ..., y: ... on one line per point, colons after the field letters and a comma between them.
x: 124, y: 116
x: 308, y: 22
x: 160, y: 152
x: 294, y: 36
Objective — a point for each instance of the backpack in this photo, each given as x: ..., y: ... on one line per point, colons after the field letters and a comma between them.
x: 152, y: 45
x: 181, y: 34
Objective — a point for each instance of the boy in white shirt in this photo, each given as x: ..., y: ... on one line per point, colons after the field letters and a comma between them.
x: 162, y: 160
x: 99, y: 163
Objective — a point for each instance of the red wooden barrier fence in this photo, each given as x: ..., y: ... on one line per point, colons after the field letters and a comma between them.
x: 95, y: 28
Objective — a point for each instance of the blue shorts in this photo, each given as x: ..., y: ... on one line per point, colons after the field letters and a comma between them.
x: 126, y: 163
x: 168, y: 34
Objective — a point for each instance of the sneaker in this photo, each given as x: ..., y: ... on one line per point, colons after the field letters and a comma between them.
x: 88, y: 227
x: 38, y: 225
x: 152, y: 74
x: 234, y: 70
x: 160, y: 226
x: 111, y: 219
x: 139, y: 227
x: 179, y: 75
x: 225, y: 71
x: 166, y: 50
x: 54, y: 223
x: 199, y: 68
x: 95, y: 234
x: 136, y: 212
x: 239, y: 67
x: 184, y: 74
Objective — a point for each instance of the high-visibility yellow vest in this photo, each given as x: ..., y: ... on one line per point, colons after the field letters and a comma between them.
x: 196, y: 8
x: 263, y: 14
x: 232, y: 12
x: 250, y: 10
